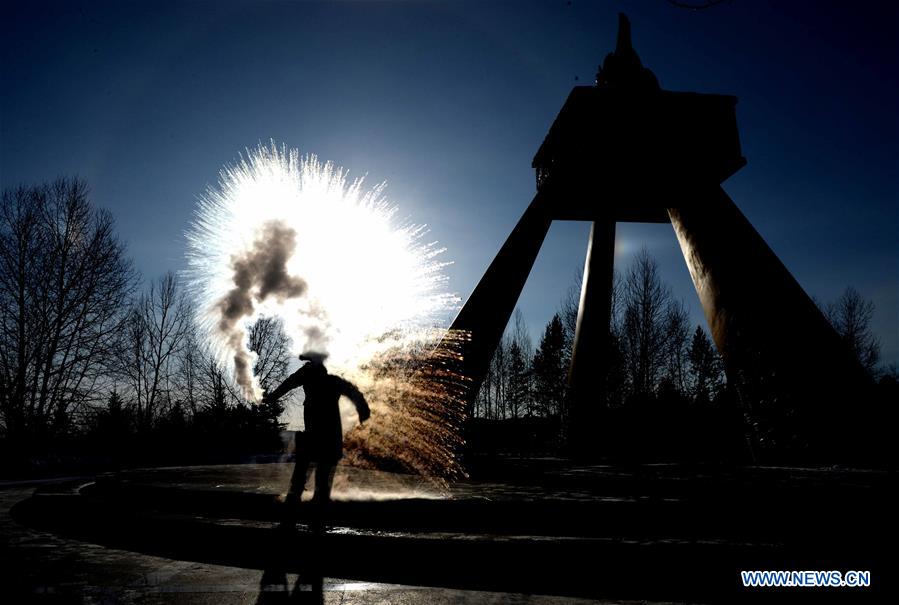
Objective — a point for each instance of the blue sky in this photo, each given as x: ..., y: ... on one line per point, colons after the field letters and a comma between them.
x: 447, y: 102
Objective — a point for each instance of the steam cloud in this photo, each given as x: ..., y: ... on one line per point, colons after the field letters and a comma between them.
x: 288, y: 236
x: 259, y: 274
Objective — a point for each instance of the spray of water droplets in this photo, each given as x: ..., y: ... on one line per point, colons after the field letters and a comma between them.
x: 288, y: 236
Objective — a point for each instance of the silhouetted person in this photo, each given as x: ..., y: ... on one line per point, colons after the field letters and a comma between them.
x: 322, y: 441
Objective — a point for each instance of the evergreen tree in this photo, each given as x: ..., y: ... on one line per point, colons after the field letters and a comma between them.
x: 550, y: 373
x: 705, y: 366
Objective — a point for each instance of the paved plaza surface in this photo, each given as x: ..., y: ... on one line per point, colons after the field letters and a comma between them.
x: 43, y: 567
x: 537, y: 531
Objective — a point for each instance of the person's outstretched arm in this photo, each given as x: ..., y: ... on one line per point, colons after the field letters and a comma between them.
x: 291, y: 382
x: 349, y: 390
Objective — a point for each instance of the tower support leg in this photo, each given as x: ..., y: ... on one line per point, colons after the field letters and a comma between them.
x: 488, y: 309
x: 588, y: 373
x: 787, y: 363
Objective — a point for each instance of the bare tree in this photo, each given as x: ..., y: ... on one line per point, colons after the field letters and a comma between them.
x: 202, y: 382
x: 677, y: 322
x: 191, y: 361
x: 506, y: 389
x: 500, y: 370
x: 568, y: 311
x: 157, y: 329
x: 272, y: 347
x: 643, y: 329
x: 219, y: 389
x: 64, y: 283
x: 653, y: 327
x: 851, y: 317
x: 521, y: 335
x: 491, y: 399
x: 483, y: 405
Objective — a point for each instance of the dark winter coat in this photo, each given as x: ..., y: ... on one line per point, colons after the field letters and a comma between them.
x: 323, y: 438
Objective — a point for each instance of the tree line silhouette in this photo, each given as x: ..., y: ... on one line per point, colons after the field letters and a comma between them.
x: 665, y: 395
x: 97, y: 365
x: 654, y: 349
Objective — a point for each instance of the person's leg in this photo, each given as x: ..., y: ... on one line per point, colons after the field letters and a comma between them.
x: 295, y: 491
x: 300, y: 475
x: 324, y: 478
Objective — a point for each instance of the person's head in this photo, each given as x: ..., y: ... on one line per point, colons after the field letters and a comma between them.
x: 315, y: 361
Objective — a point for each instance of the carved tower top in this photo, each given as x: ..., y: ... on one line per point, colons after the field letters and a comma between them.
x: 622, y: 68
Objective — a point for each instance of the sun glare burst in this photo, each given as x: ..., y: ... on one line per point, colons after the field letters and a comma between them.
x: 290, y: 236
